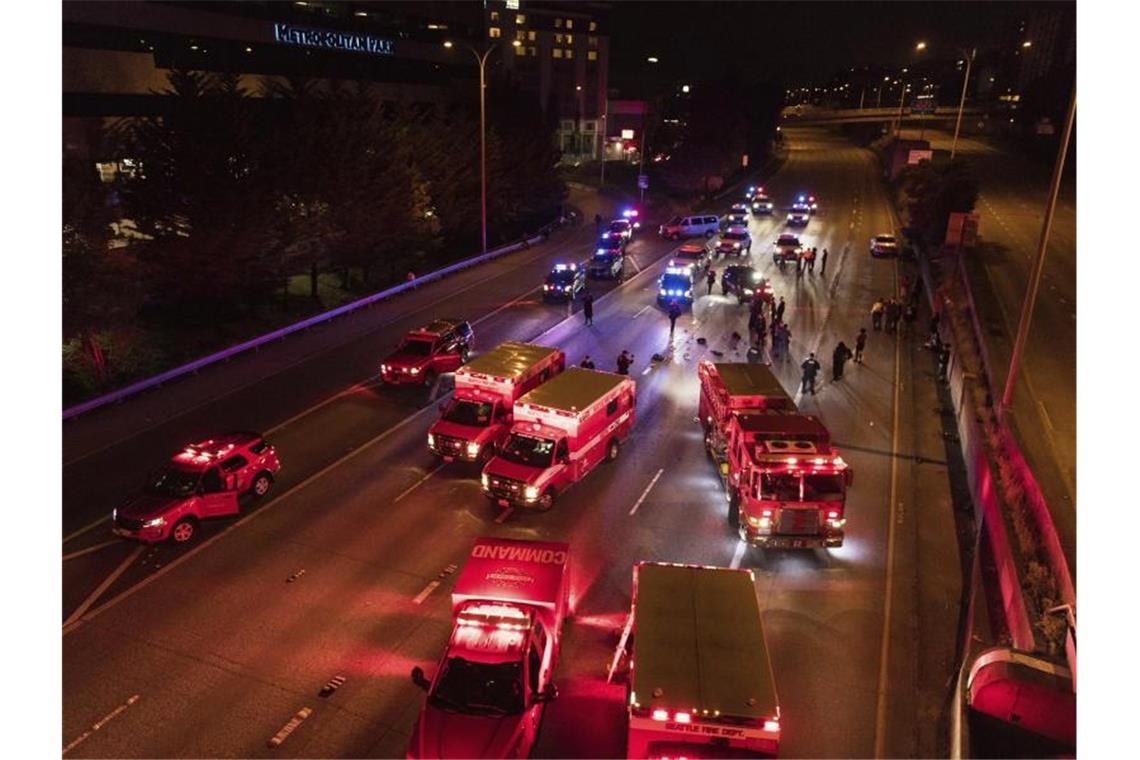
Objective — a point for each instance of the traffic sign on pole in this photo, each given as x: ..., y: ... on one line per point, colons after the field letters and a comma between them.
x: 643, y: 181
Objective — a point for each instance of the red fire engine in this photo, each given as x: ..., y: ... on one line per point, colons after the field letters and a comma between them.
x: 478, y: 418
x: 562, y: 430
x: 488, y: 693
x: 786, y: 484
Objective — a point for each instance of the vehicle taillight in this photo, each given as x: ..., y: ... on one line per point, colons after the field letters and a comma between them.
x: 682, y: 717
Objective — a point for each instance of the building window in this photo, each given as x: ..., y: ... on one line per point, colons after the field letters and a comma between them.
x: 593, y: 41
x: 569, y: 23
x: 569, y: 39
x: 520, y: 19
x: 494, y: 31
x: 569, y: 53
x: 494, y: 15
x: 520, y: 50
x: 520, y: 34
x: 592, y: 55
x: 557, y: 23
x: 530, y: 36
x: 532, y: 52
x: 558, y: 39
x: 593, y: 26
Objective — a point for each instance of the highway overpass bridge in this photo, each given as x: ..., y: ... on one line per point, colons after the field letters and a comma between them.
x: 811, y: 116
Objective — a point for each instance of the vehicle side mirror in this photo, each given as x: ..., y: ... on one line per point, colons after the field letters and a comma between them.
x: 419, y: 679
x: 549, y: 693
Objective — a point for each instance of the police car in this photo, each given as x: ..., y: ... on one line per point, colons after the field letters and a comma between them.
x: 798, y: 218
x: 739, y: 208
x: 745, y: 283
x: 675, y: 285
x: 884, y: 245
x: 735, y: 218
x: 623, y: 228
x: 805, y: 203
x: 734, y: 242
x: 762, y: 204
x: 564, y: 283
x: 695, y: 256
x: 634, y: 217
x: 606, y: 263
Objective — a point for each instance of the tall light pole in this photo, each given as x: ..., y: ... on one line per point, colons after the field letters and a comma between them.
x: 962, y: 101
x: 481, y: 59
x: 902, y: 99
x: 1039, y: 265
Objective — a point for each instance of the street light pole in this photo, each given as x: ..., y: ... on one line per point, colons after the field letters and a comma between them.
x: 962, y: 101
x: 1039, y: 265
x: 902, y: 98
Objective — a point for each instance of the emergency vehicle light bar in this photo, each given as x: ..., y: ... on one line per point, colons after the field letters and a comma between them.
x: 565, y: 267
x: 500, y: 616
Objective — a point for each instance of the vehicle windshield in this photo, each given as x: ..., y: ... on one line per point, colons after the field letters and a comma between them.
x: 564, y: 277
x: 532, y: 452
x: 675, y: 220
x: 888, y: 239
x: 823, y: 487
x: 605, y: 256
x: 779, y: 486
x: 170, y: 481
x: 479, y: 688
x: 676, y: 282
x: 416, y: 347
x: 619, y: 226
x: 471, y: 413
x: 788, y: 241
x: 735, y: 235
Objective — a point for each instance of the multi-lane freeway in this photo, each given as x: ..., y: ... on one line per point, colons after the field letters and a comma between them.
x: 343, y: 569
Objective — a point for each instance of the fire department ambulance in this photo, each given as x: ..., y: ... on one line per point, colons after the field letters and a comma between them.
x: 562, y: 430
x: 488, y: 693
x: 701, y: 682
x: 786, y: 484
x: 478, y: 418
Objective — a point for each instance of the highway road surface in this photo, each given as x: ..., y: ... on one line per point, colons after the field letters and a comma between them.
x: 344, y: 568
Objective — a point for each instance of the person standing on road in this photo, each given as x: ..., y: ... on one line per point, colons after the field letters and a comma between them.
x: 810, y: 367
x: 587, y: 363
x: 893, y: 314
x: 910, y: 313
x: 860, y: 344
x: 943, y: 361
x: 710, y: 278
x: 811, y: 260
x: 877, y: 314
x: 779, y: 314
x: 598, y: 222
x: 588, y: 307
x: 624, y: 360
x: 674, y: 312
x: 933, y: 339
x: 823, y: 263
x: 839, y: 357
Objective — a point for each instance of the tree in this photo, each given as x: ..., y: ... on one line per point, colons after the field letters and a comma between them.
x: 932, y: 193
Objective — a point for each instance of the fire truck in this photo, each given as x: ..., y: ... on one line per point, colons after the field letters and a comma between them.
x: 489, y: 690
x: 700, y: 682
x: 785, y: 482
x: 478, y: 418
x: 562, y: 430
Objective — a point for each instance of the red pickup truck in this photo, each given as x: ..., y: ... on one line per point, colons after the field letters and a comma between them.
x: 424, y: 354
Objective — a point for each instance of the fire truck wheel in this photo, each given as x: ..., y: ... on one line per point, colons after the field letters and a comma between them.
x: 546, y: 502
x: 184, y: 530
x: 612, y: 451
x: 261, y: 484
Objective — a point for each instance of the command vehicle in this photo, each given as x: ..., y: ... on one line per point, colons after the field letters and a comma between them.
x: 735, y: 241
x: 785, y: 483
x: 675, y: 285
x: 786, y: 248
x: 492, y: 684
x: 562, y: 430
x: 701, y: 681
x: 200, y: 482
x: 564, y: 282
x: 745, y: 283
x: 440, y: 346
x: 477, y: 419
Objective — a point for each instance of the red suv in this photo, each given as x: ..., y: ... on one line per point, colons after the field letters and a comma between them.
x: 202, y: 481
x: 441, y: 346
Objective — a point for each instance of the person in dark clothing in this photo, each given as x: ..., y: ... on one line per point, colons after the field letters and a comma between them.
x: 892, y: 315
x: 779, y: 315
x: 933, y: 340
x: 674, y: 312
x: 943, y: 361
x: 810, y: 367
x: 710, y: 278
x: 810, y: 257
x: 587, y: 363
x: 772, y: 310
x: 598, y: 221
x: 839, y: 357
x: 624, y: 360
x: 823, y: 263
x: 588, y: 307
x: 877, y: 310
x: 860, y: 344
x: 910, y: 313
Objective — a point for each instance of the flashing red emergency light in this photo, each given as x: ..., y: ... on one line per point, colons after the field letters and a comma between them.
x: 629, y: 212
x: 661, y: 715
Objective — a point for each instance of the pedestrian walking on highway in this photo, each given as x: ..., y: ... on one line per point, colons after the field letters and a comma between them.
x: 810, y: 367
x: 839, y: 357
x: 598, y: 222
x: 943, y: 361
x: 910, y: 313
x: 624, y: 360
x: 587, y: 363
x: 779, y: 315
x: 810, y: 256
x: 877, y: 314
x: 410, y: 278
x: 860, y: 344
x: 588, y: 307
x: 710, y: 278
x: 772, y: 310
x: 674, y: 312
x: 823, y: 263
x: 933, y: 339
x: 893, y: 313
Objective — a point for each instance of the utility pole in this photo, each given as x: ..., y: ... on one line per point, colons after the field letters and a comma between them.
x: 1039, y: 265
x: 962, y: 101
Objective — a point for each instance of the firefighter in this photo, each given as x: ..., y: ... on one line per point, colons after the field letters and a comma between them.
x: 839, y: 357
x: 624, y: 360
x: 810, y: 369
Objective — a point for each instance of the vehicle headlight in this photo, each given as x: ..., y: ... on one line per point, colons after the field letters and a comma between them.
x: 472, y: 449
x: 155, y: 522
x: 688, y: 294
x: 748, y: 291
x: 431, y: 440
x: 531, y: 493
x: 754, y: 521
x: 383, y: 367
x: 486, y: 480
x: 736, y: 245
x: 567, y: 288
x: 415, y: 370
x: 664, y: 292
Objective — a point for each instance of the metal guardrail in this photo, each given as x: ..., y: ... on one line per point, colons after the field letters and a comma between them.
x: 228, y: 353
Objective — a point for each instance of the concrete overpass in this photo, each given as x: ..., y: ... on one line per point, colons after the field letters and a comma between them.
x: 813, y: 116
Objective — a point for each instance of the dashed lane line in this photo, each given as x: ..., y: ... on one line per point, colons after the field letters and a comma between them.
x: 417, y: 484
x: 504, y: 515
x: 277, y: 739
x: 100, y: 723
x: 426, y: 592
x: 645, y: 493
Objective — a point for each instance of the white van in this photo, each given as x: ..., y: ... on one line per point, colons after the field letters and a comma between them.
x: 690, y: 226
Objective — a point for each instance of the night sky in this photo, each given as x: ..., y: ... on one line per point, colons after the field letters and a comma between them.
x: 792, y: 43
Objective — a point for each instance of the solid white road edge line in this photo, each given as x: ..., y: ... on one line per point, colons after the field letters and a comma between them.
x: 99, y: 724
x: 645, y: 493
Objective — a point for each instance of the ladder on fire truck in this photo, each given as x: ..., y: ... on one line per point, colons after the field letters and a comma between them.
x: 621, y: 647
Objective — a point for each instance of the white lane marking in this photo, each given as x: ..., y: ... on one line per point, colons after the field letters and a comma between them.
x: 504, y: 515
x: 645, y: 493
x: 122, y: 568
x: 647, y: 370
x: 100, y: 723
x: 647, y: 308
x: 426, y: 592
x: 93, y: 524
x: 884, y: 648
x: 738, y: 555
x: 636, y: 266
x: 90, y: 549
x: 289, y: 727
x: 417, y: 484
